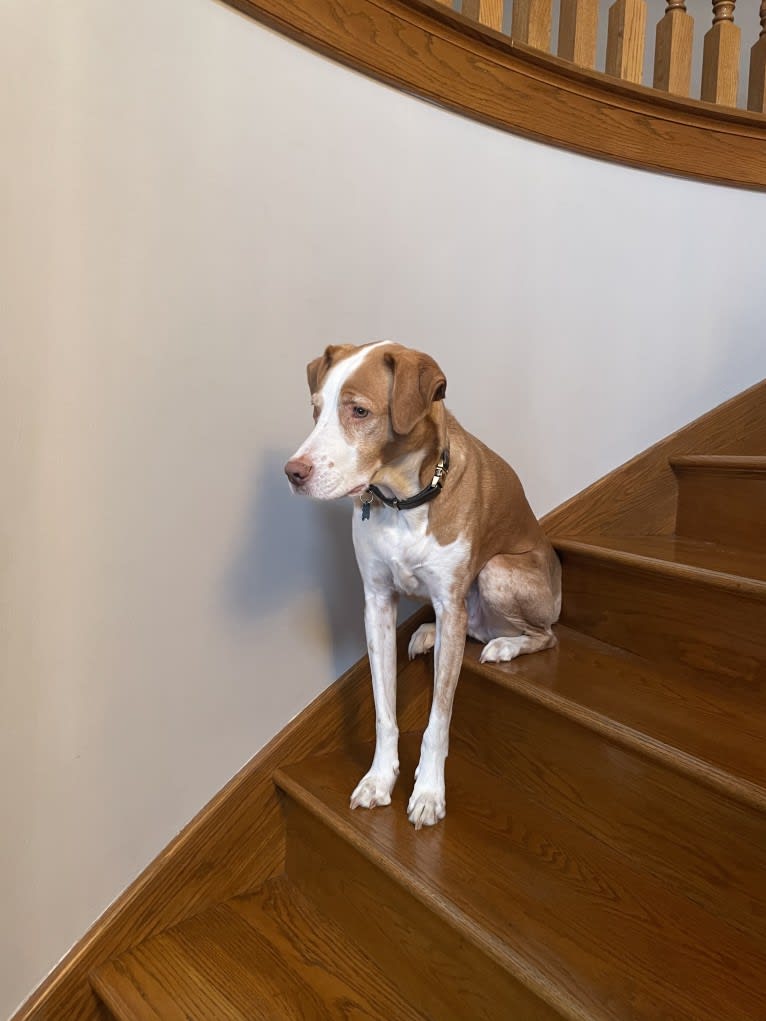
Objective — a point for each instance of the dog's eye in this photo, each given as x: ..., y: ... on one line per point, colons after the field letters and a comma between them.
x: 360, y: 412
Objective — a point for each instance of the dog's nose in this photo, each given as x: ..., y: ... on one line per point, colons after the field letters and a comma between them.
x: 298, y: 471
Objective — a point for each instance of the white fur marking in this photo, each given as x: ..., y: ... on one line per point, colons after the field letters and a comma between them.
x: 335, y: 460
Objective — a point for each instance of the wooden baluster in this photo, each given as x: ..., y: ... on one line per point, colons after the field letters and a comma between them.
x: 720, y: 56
x: 756, y: 93
x: 625, y: 40
x: 486, y: 12
x: 531, y: 23
x: 578, y: 27
x: 673, y: 50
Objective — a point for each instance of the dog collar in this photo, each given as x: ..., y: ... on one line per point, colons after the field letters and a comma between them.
x: 430, y: 491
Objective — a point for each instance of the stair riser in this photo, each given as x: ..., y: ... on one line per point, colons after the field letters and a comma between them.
x: 727, y: 507
x: 445, y: 976
x: 666, y: 619
x: 660, y: 820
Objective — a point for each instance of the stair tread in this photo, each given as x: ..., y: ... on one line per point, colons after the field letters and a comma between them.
x: 269, y: 956
x: 690, y: 558
x: 703, y: 724
x: 583, y: 927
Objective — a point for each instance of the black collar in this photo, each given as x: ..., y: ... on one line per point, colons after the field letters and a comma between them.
x: 430, y: 491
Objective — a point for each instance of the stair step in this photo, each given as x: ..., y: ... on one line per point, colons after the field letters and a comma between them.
x: 544, y: 897
x: 696, y: 840
x: 722, y: 498
x: 670, y: 599
x: 271, y: 956
x: 700, y: 724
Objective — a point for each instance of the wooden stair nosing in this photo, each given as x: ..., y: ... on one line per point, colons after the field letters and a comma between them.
x: 453, y: 916
x: 707, y: 773
x: 108, y: 983
x: 719, y: 463
x: 738, y: 584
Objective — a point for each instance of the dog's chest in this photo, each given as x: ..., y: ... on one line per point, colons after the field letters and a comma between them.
x: 395, y: 550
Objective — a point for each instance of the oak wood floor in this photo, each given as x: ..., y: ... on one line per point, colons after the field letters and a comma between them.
x: 268, y: 956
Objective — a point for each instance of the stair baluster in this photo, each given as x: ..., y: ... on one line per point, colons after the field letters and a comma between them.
x: 720, y: 56
x: 673, y: 50
x: 578, y: 27
x: 531, y: 23
x: 626, y: 39
x: 756, y: 94
x: 486, y: 12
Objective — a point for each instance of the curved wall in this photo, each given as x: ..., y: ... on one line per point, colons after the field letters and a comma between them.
x: 194, y: 207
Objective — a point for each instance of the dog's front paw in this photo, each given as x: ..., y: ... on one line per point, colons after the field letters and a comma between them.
x: 426, y: 807
x: 422, y: 641
x: 373, y: 790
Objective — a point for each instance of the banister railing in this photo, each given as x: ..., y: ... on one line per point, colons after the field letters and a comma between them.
x: 626, y: 41
x: 494, y: 61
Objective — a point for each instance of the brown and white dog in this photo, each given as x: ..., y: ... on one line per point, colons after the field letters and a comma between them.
x: 470, y: 544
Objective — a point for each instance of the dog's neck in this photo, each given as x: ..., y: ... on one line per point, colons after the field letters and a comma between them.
x: 408, y: 472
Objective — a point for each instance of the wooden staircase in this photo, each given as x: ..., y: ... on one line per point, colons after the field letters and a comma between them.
x: 604, y: 851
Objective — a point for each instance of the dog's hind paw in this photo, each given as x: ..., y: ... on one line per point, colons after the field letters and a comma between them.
x: 372, y: 791
x: 422, y: 641
x: 501, y: 650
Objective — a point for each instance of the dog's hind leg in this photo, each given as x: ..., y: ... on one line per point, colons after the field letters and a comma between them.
x: 514, y: 604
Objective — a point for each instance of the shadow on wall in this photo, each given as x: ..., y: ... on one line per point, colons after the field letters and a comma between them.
x: 291, y: 545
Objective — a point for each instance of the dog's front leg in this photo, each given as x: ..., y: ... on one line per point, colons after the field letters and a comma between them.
x: 380, y: 624
x: 428, y: 802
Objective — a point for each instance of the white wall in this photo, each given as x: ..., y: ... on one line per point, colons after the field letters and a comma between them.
x: 192, y: 207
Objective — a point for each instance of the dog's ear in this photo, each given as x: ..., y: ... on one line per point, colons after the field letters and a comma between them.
x: 418, y: 382
x: 318, y: 369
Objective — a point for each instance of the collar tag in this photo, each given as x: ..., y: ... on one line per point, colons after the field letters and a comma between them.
x: 366, y: 504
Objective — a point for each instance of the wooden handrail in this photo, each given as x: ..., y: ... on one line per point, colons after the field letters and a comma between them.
x: 425, y: 48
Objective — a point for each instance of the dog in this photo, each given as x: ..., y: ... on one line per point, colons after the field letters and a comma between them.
x: 438, y: 516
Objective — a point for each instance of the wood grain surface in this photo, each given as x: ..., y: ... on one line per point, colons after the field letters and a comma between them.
x: 425, y: 48
x: 705, y: 846
x: 235, y: 843
x: 698, y: 724
x: 446, y: 975
x: 722, y: 500
x: 694, y: 611
x: 593, y: 934
x: 268, y: 956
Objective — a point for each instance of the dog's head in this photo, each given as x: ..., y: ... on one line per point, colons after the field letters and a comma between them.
x: 371, y: 404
